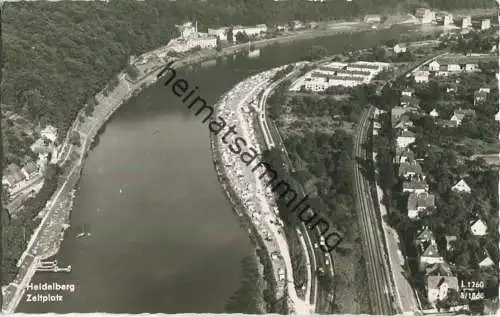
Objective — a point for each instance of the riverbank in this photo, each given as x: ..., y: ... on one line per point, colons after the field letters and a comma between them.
x: 107, y: 103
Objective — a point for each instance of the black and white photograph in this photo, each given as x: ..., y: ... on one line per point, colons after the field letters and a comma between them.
x: 292, y: 157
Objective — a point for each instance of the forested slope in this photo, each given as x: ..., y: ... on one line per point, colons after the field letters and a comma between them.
x: 58, y: 54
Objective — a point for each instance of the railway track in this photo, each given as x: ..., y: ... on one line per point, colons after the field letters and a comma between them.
x: 378, y: 281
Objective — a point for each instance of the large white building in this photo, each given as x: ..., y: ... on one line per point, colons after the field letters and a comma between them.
x: 191, y: 38
x: 220, y: 33
x: 466, y: 22
x: 249, y: 30
x: 425, y: 15
x: 338, y: 74
x: 485, y: 24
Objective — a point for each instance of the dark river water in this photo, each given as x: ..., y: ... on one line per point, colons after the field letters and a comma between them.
x: 164, y: 237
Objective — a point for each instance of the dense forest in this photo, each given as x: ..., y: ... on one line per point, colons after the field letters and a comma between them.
x: 58, y: 55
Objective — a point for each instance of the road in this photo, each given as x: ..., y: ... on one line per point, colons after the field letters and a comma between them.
x: 312, y: 285
x: 376, y: 260
x: 315, y: 256
x: 401, y: 288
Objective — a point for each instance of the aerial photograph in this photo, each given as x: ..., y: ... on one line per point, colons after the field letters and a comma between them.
x: 250, y: 156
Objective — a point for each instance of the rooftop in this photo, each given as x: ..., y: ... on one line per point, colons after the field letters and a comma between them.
x: 435, y: 281
x: 415, y: 184
x: 423, y: 200
x: 409, y: 167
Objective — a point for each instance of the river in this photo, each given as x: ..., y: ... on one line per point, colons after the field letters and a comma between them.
x: 164, y: 237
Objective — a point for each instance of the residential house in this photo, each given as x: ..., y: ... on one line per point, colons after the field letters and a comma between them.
x: 418, y: 203
x: 479, y: 228
x: 378, y: 112
x: 486, y: 260
x: 466, y: 22
x: 438, y: 287
x: 405, y: 100
x: 448, y: 19
x: 430, y: 255
x: 485, y: 89
x: 405, y: 138
x: 41, y: 146
x: 399, y: 48
x: 440, y: 269
x: 421, y: 76
x: 220, y: 33
x: 434, y: 66
x: 450, y: 242
x: 443, y: 71
x: 43, y: 159
x: 480, y: 96
x: 372, y: 18
x: 12, y: 175
x: 29, y: 170
x: 454, y: 68
x: 406, y: 155
x: 461, y: 187
x: 459, y: 115
x: 408, y: 92
x: 425, y: 15
x: 485, y: 24
x: 415, y: 186
x: 423, y: 235
x: 49, y: 133
x: 451, y: 89
x: 404, y: 123
x: 471, y: 67
x: 434, y: 113
x: 408, y: 169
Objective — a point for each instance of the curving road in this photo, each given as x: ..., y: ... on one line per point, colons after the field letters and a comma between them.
x: 315, y: 258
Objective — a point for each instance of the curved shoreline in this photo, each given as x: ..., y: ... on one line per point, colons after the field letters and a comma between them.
x: 97, y: 125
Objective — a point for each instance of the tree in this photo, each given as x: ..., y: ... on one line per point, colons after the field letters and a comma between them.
x: 219, y: 45
x: 317, y: 52
x: 132, y: 71
x: 242, y: 37
x: 378, y: 54
x: 75, y: 138
x: 229, y: 35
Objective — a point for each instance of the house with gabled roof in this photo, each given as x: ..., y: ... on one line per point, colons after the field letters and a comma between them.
x: 438, y: 287
x: 415, y: 186
x: 479, y: 228
x: 434, y: 66
x: 49, y: 133
x: 399, y: 48
x: 418, y: 203
x: 440, y: 269
x: 408, y: 92
x: 459, y: 115
x: 480, y: 96
x: 411, y: 168
x: 434, y: 113
x: 30, y: 169
x: 486, y: 260
x: 423, y: 234
x: 421, y: 76
x: 405, y: 138
x: 461, y: 187
x: 430, y: 255
x: 406, y: 155
x: 404, y: 123
x: 405, y: 100
x: 450, y: 241
x: 12, y: 175
x: 41, y: 146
